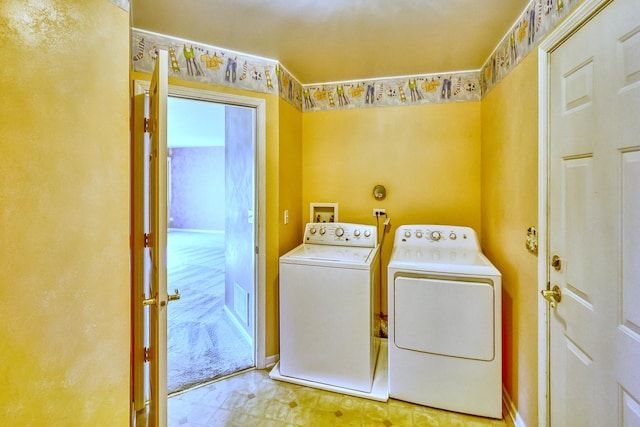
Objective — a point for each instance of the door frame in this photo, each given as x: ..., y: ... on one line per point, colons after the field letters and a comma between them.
x: 576, y: 20
x: 141, y: 87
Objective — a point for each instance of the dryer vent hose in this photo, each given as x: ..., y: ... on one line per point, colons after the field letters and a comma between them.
x: 383, y: 316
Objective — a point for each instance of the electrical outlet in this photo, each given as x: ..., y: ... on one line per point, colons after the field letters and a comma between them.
x: 286, y: 216
x: 379, y: 212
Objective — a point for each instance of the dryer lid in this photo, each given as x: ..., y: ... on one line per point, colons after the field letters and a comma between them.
x: 443, y: 260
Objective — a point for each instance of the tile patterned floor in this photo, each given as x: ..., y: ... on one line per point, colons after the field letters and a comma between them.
x: 254, y: 399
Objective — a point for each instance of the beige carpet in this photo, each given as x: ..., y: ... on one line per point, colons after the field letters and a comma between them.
x: 203, y: 343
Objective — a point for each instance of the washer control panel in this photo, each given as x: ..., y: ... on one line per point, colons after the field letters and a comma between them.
x: 341, y: 234
x: 443, y: 236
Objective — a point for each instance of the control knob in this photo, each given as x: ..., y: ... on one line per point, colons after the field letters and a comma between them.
x: 312, y: 230
x: 407, y: 234
x: 339, y: 231
x: 367, y: 233
x: 356, y: 233
x: 322, y: 231
x: 419, y: 234
x: 435, y: 236
x: 453, y: 236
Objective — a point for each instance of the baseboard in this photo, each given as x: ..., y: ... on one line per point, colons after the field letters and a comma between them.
x: 271, y: 361
x: 512, y: 417
x: 237, y: 324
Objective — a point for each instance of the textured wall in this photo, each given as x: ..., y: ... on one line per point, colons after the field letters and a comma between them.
x: 197, y: 188
x: 239, y: 250
x: 509, y: 207
x: 64, y: 214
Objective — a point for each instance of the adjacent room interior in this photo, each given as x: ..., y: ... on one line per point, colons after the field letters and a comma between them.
x: 206, y: 336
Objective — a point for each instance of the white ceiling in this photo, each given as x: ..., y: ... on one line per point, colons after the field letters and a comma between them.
x: 321, y: 41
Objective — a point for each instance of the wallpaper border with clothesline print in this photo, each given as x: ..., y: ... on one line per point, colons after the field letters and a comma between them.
x: 208, y: 64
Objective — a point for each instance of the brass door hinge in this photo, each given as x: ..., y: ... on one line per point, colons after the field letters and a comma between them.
x: 147, y: 125
x: 148, y: 241
x: 146, y: 354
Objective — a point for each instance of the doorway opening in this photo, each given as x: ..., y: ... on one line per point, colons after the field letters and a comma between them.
x: 148, y: 240
x: 211, y: 241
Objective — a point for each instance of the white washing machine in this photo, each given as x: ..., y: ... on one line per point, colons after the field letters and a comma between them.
x: 444, y: 295
x: 329, y: 305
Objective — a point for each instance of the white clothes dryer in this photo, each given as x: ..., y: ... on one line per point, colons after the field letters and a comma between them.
x: 444, y: 296
x: 329, y: 306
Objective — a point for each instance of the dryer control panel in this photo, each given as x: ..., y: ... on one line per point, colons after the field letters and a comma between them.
x: 441, y: 236
x: 341, y: 234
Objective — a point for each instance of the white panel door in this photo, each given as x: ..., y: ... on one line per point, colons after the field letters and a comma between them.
x: 158, y: 93
x: 594, y: 221
x: 140, y: 256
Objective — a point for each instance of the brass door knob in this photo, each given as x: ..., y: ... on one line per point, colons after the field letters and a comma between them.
x: 174, y: 296
x: 554, y: 295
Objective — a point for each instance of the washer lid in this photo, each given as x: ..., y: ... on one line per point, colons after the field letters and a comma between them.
x: 309, y: 253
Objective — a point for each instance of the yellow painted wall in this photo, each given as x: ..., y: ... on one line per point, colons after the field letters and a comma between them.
x: 427, y: 156
x: 509, y: 207
x: 64, y: 214
x: 290, y: 195
x: 290, y: 191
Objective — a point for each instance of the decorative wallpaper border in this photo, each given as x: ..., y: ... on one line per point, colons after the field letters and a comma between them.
x: 289, y: 88
x: 536, y: 21
x: 208, y: 64
x: 385, y: 92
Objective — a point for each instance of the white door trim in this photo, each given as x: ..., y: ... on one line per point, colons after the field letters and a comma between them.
x: 574, y: 22
x: 142, y: 86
